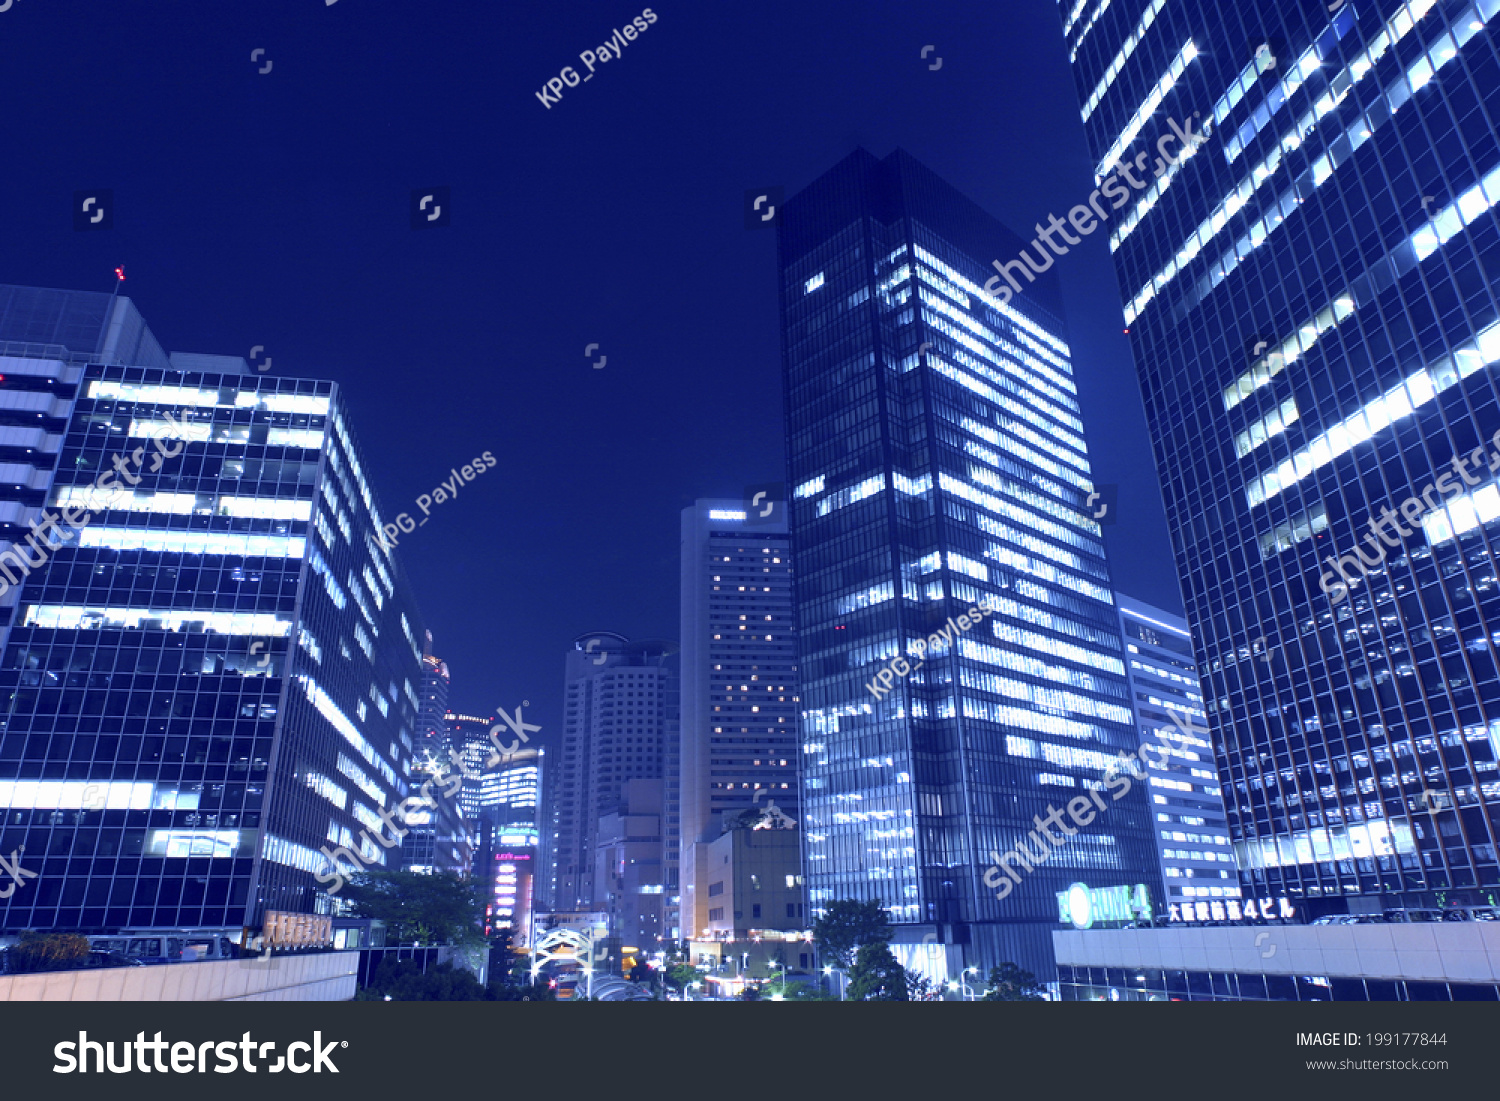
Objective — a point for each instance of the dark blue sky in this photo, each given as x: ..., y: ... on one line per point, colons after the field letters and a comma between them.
x: 272, y: 209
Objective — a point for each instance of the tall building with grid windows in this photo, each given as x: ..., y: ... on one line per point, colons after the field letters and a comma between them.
x: 740, y: 748
x: 938, y: 463
x: 1192, y: 834
x: 432, y: 722
x: 211, y: 672
x: 620, y: 723
x: 1311, y: 302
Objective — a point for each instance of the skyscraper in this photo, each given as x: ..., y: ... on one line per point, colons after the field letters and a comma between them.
x: 432, y: 730
x: 1192, y: 834
x: 47, y: 337
x: 620, y: 723
x: 213, y: 671
x: 740, y: 750
x: 938, y: 465
x: 1311, y: 305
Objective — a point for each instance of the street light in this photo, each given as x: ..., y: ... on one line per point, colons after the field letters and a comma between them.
x: 829, y: 970
x: 967, y: 995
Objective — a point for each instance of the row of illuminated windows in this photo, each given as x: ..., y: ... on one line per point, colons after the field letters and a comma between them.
x: 1054, y: 699
x: 81, y: 617
x: 1310, y: 62
x: 1298, y: 529
x: 1031, y: 403
x: 310, y: 439
x: 327, y: 789
x: 98, y: 499
x: 192, y: 542
x: 1024, y: 325
x: 1017, y: 536
x: 1287, y: 352
x: 281, y: 851
x: 1062, y: 624
x: 990, y: 435
x: 1042, y: 365
x: 1268, y: 427
x: 1083, y: 532
x: 1044, y: 571
x: 985, y: 360
x: 192, y: 395
x: 1378, y: 838
x: 1147, y: 108
x: 325, y: 706
x: 1066, y: 756
x: 1008, y: 632
x: 1396, y: 404
x: 1005, y: 463
x: 1395, y: 96
x: 1027, y: 718
x: 1122, y: 56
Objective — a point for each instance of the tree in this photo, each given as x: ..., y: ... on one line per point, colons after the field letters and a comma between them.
x: 876, y: 976
x: 680, y: 975
x: 404, y: 981
x: 919, y: 988
x: 419, y: 909
x: 1008, y: 983
x: 848, y: 924
x: 48, y: 951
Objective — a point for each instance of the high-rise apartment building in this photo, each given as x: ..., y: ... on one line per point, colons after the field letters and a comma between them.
x: 938, y: 465
x: 1311, y: 304
x: 740, y: 748
x: 1192, y: 833
x: 213, y: 664
x: 620, y: 723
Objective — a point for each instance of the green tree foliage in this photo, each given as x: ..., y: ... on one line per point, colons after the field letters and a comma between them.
x: 876, y: 976
x: 848, y: 924
x: 48, y: 951
x: 1008, y: 983
x: 680, y: 975
x: 419, y: 909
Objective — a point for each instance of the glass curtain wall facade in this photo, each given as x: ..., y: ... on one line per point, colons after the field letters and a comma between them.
x: 212, y: 678
x: 740, y: 747
x: 938, y: 463
x: 1311, y: 303
x: 47, y: 337
x: 1197, y: 858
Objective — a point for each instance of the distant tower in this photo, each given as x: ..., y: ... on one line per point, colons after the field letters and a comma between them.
x: 740, y: 748
x: 620, y: 724
x: 432, y: 731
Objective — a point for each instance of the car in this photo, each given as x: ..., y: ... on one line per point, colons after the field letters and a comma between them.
x: 109, y: 959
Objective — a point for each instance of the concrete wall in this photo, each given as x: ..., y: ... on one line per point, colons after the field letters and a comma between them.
x: 319, y: 977
x: 1449, y: 951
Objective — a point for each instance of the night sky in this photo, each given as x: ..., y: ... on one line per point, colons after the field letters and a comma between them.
x: 274, y: 209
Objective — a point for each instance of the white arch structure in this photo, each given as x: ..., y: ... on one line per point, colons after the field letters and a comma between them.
x: 564, y: 944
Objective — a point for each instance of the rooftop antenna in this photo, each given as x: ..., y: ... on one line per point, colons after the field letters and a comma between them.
x: 119, y: 278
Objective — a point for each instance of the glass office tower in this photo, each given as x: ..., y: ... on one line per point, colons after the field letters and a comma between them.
x: 211, y: 674
x: 938, y: 462
x: 1192, y: 835
x: 1310, y: 299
